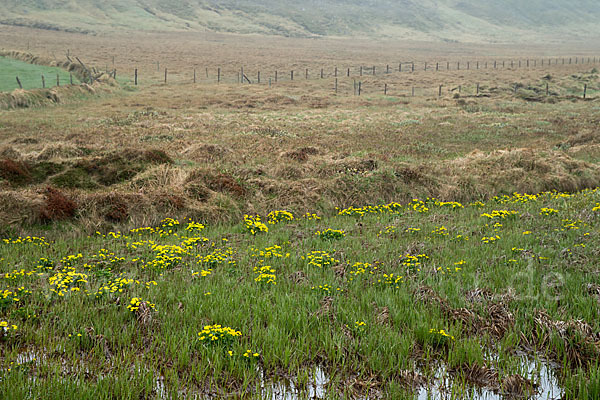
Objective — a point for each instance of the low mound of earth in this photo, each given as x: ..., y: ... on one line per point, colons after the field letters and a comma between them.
x: 103, y: 189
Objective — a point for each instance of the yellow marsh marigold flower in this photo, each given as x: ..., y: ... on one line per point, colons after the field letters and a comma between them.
x: 253, y: 224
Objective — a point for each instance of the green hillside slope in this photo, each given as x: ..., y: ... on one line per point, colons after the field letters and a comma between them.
x: 441, y: 19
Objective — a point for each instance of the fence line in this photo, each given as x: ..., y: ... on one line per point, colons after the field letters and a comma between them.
x: 403, y: 67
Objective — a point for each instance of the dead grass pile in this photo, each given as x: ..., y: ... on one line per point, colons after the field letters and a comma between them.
x: 57, y: 206
x: 207, y: 153
x: 498, y: 321
x: 57, y: 152
x: 580, y: 343
x: 19, y: 208
x: 301, y: 154
x: 481, y: 175
x: 16, y: 173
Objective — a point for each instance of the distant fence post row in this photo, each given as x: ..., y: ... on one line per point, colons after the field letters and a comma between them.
x: 20, y: 83
x: 402, y: 67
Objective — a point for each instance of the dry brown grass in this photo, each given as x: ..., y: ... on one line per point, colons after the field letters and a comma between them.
x: 217, y: 151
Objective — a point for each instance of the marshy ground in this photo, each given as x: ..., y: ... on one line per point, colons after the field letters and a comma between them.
x: 125, y: 241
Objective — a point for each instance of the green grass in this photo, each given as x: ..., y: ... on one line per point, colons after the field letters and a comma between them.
x: 343, y: 316
x: 30, y: 75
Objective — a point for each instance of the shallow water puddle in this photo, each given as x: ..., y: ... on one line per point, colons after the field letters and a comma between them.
x: 315, y: 388
x: 539, y: 372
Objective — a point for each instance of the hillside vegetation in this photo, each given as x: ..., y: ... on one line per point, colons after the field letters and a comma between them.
x: 427, y: 19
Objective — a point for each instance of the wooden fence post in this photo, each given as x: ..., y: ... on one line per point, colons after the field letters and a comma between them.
x: 387, y: 70
x: 584, y: 90
x: 242, y: 75
x: 292, y: 74
x: 437, y: 66
x: 413, y: 66
x: 477, y: 89
x: 19, y: 82
x: 440, y: 91
x: 258, y: 77
x: 165, y: 75
x: 194, y: 75
x: 385, y: 89
x: 135, y: 77
x: 400, y: 67
x: 306, y: 74
x: 71, y: 76
x: 547, y: 89
x: 218, y: 75
x: 359, y: 88
x: 43, y: 82
x: 373, y: 70
x: 336, y: 85
x: 321, y: 73
x: 425, y: 69
x: 348, y: 72
x: 361, y: 70
x: 336, y: 72
x: 57, y: 80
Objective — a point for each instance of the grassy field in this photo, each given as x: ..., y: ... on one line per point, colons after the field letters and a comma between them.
x: 129, y: 238
x: 30, y: 75
x: 371, y: 302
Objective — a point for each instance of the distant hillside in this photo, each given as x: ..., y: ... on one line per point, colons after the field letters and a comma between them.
x: 469, y: 20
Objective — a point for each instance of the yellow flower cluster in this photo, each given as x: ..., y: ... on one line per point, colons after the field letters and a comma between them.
x: 331, y: 234
x: 548, y: 211
x: 218, y: 334
x: 268, y: 253
x: 413, y: 262
x: 194, y: 227
x: 391, y: 208
x: 326, y: 288
x: 275, y: 217
x: 67, y: 280
x: 360, y: 268
x: 490, y: 239
x: 597, y: 208
x: 265, y: 275
x: 119, y: 284
x: 5, y: 328
x: 441, y: 231
x: 253, y: 224
x: 7, y: 296
x: 500, y: 214
x: 217, y: 257
x: 449, y: 204
x: 441, y: 333
x: 136, y: 303
x: 418, y: 206
x: 389, y: 230
x: 310, y: 217
x: 37, y: 241
x: 391, y: 280
x: 249, y: 354
x: 320, y: 259
x: 167, y: 256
